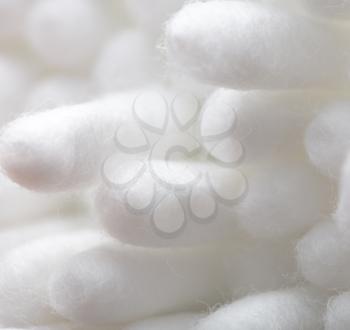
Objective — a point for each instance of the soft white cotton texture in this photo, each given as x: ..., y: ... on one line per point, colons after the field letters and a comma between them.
x: 64, y: 147
x: 283, y: 200
x: 289, y: 309
x: 120, y: 284
x: 267, y: 124
x: 249, y: 45
x: 327, y: 139
x: 323, y: 256
x: 25, y: 271
x: 338, y: 312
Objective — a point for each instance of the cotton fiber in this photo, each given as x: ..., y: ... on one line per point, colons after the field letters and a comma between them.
x: 283, y: 200
x: 184, y: 321
x: 289, y: 309
x: 25, y: 271
x: 327, y: 139
x: 338, y: 312
x: 323, y: 257
x: 257, y: 267
x: 65, y: 34
x: 63, y: 147
x: 116, y: 285
x: 248, y: 45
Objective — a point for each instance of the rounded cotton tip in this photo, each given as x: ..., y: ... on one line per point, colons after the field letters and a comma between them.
x: 283, y: 200
x: 323, y: 257
x: 327, y: 139
x: 25, y: 271
x: 286, y: 309
x: 64, y: 33
x: 250, y: 45
x: 338, y: 312
x: 113, y: 284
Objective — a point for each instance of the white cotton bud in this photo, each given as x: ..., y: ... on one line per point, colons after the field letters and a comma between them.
x: 259, y: 267
x: 184, y: 321
x: 65, y: 34
x: 25, y: 272
x: 283, y: 200
x: 64, y: 147
x: 338, y: 312
x: 338, y: 9
x: 170, y: 203
x: 125, y: 61
x: 151, y: 14
x: 289, y: 309
x: 249, y: 45
x: 323, y: 256
x: 15, y: 80
x: 267, y: 125
x: 112, y: 284
x: 57, y: 91
x: 327, y: 139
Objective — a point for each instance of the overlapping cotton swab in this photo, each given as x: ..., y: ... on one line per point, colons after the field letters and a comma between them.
x: 114, y: 285
x: 25, y: 271
x: 286, y: 309
x: 249, y: 45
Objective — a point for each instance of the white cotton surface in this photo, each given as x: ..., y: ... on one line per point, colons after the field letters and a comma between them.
x: 249, y: 45
x: 184, y: 321
x: 337, y: 9
x: 172, y: 203
x: 15, y: 79
x: 338, y: 312
x: 323, y: 256
x: 269, y: 124
x: 65, y: 34
x: 114, y: 284
x: 259, y: 267
x: 25, y: 271
x: 283, y: 199
x: 64, y: 147
x: 151, y: 14
x: 58, y: 91
x: 327, y: 139
x: 342, y: 214
x: 289, y: 309
x: 125, y: 61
